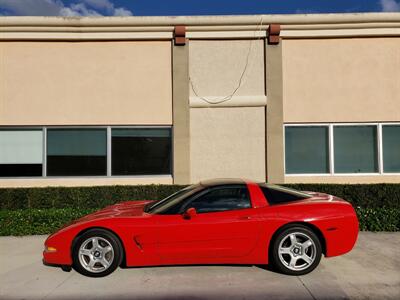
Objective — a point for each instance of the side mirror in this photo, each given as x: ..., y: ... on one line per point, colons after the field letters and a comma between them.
x: 189, y: 213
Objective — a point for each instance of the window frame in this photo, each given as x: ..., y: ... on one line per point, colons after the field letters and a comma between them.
x: 44, y: 152
x: 329, y: 149
x: 381, y: 162
x: 76, y: 128
x: 108, y: 150
x: 379, y: 148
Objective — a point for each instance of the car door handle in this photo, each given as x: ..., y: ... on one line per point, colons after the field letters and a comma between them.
x: 244, y: 218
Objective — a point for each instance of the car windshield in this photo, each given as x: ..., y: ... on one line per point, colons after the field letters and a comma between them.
x: 183, y: 193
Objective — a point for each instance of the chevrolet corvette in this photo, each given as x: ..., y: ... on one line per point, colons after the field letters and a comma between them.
x: 228, y: 221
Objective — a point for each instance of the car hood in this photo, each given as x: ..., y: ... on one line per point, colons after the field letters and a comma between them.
x: 123, y: 209
x: 129, y: 209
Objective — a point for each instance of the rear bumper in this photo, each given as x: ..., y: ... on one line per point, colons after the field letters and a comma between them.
x: 343, y: 238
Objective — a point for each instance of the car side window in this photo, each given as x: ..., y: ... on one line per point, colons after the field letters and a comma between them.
x: 221, y: 199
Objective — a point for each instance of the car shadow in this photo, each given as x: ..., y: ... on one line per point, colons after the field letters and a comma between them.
x: 263, y: 267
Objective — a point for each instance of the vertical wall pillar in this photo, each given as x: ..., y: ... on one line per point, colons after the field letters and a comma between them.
x: 180, y: 107
x: 274, y: 120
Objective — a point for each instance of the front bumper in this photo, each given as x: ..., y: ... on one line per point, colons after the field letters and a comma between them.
x: 65, y: 268
x: 59, y: 256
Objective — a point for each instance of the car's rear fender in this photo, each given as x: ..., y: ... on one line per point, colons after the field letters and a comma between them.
x: 334, y: 222
x: 340, y: 234
x: 311, y: 226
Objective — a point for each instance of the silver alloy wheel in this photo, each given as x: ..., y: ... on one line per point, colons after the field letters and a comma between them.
x: 297, y: 251
x: 96, y: 254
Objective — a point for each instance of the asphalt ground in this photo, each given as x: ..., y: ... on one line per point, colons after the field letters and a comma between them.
x: 370, y: 271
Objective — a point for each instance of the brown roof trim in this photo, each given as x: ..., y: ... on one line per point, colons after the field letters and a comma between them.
x: 180, y: 35
x: 274, y: 31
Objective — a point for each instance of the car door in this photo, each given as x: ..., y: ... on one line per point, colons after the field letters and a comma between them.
x: 225, y: 227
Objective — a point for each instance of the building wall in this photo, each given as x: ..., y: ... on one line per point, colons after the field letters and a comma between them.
x: 359, y: 179
x: 87, y: 83
x: 227, y: 139
x: 341, y: 80
x: 83, y: 181
x: 212, y: 91
x: 216, y: 65
x: 227, y: 142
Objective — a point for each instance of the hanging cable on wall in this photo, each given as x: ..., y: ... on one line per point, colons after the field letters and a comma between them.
x: 241, y: 78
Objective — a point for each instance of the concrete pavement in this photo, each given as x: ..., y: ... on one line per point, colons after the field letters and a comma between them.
x: 370, y: 271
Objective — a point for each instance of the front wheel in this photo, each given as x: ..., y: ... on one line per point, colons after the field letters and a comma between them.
x: 97, y: 253
x: 296, y: 251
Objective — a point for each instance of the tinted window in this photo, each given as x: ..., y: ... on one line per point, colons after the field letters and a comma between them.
x: 306, y: 150
x: 355, y: 149
x: 21, y: 152
x: 276, y: 194
x: 76, y: 152
x: 141, y: 151
x: 221, y: 199
x: 391, y: 148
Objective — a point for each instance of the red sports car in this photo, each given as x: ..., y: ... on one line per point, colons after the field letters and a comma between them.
x: 214, y: 222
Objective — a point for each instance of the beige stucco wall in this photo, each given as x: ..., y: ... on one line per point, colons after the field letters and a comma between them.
x: 85, y: 83
x: 84, y: 181
x: 344, y: 179
x: 215, y: 68
x: 341, y: 80
x: 181, y: 115
x: 274, y: 114
x: 227, y: 142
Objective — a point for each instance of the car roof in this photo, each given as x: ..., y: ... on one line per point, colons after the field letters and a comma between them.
x: 222, y: 181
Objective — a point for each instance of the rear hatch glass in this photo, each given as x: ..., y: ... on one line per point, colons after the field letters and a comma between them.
x: 276, y: 194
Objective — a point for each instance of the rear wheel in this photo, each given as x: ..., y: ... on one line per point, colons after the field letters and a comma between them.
x: 296, y: 251
x: 97, y: 253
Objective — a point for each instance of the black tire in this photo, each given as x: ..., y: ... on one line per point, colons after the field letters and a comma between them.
x: 283, y: 236
x: 103, y: 236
